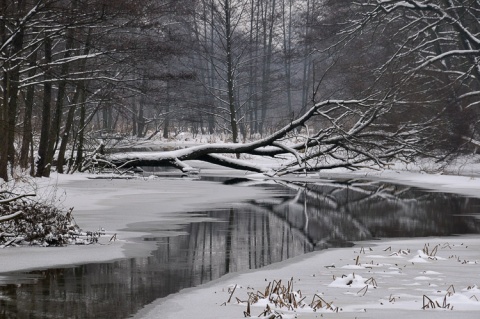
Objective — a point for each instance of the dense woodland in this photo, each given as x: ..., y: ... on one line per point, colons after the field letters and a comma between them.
x: 354, y: 82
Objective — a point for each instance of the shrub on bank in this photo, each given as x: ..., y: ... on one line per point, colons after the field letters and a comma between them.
x: 25, y: 221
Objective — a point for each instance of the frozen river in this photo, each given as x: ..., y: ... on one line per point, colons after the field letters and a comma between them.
x: 263, y: 223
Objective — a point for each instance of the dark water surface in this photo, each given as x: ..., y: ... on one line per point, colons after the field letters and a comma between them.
x: 244, y: 236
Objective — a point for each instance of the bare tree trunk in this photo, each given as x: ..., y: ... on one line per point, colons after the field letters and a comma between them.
x: 211, y: 70
x: 27, y: 119
x: 252, y: 68
x: 134, y: 117
x: 81, y: 131
x: 66, y: 132
x: 166, y: 123
x: 71, y: 110
x: 4, y: 131
x: 11, y: 78
x: 43, y: 166
x: 306, y: 61
x: 13, y: 84
x: 57, y: 116
x: 141, y: 117
x: 4, y: 107
x: 268, y: 47
x: 230, y: 74
x: 287, y: 50
x: 140, y: 120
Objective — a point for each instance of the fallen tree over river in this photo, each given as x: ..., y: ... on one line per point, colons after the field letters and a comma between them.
x: 332, y: 133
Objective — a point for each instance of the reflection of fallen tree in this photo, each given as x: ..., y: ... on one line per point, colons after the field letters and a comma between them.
x: 299, y: 233
x: 334, y: 214
x: 401, y: 211
x: 330, y: 230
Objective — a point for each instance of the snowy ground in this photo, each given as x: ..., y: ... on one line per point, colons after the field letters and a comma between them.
x: 400, y: 278
x: 392, y: 279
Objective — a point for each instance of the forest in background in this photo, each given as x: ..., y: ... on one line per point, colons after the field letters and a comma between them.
x: 404, y: 76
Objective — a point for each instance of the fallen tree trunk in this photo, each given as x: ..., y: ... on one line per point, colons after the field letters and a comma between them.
x: 349, y: 133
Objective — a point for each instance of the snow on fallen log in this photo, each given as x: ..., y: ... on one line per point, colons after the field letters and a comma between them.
x: 360, y: 141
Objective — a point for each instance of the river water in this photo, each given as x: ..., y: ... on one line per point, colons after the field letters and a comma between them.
x: 297, y: 218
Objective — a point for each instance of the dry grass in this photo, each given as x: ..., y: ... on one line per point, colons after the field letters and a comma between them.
x: 282, y: 297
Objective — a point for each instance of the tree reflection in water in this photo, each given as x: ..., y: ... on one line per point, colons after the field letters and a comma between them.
x: 250, y: 235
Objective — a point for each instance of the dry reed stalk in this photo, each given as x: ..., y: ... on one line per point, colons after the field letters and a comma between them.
x: 318, y: 304
x: 267, y: 289
x: 450, y: 290
x: 427, y: 303
x: 371, y: 281
x: 446, y: 245
x: 431, y: 253
x: 266, y: 312
x: 247, y: 313
x: 229, y: 299
x: 364, y: 289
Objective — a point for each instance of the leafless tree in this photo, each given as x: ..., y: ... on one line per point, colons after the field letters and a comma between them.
x: 434, y: 62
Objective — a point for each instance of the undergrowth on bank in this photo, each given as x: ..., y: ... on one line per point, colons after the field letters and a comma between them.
x: 25, y: 220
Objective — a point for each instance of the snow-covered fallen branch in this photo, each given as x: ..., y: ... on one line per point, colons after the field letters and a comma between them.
x: 8, y: 200
x: 348, y: 135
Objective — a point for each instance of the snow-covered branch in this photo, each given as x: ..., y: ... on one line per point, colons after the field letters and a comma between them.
x: 350, y: 140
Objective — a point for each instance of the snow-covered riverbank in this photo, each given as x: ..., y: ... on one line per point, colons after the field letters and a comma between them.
x: 394, y: 279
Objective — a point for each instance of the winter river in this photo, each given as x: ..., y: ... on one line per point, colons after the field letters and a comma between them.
x: 287, y: 220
